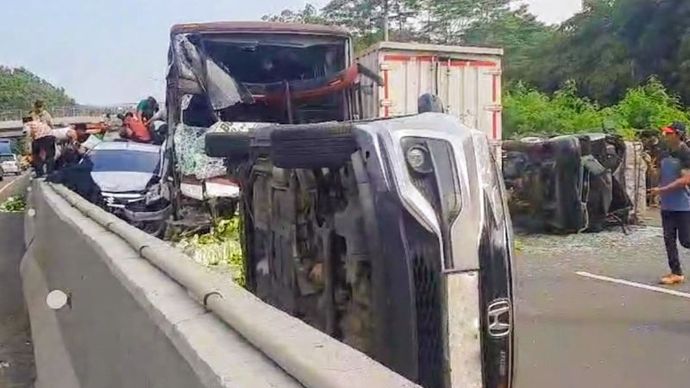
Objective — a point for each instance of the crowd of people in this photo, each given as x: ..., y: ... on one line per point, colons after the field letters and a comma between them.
x: 54, y: 146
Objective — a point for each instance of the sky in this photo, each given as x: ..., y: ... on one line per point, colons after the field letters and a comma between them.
x: 115, y: 51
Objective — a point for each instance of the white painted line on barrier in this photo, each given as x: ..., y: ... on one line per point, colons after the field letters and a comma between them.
x: 636, y: 285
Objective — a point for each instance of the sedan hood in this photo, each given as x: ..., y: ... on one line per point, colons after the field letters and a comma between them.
x: 119, y: 182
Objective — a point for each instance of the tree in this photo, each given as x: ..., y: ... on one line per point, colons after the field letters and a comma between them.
x: 615, y: 45
x: 308, y: 15
x: 374, y: 18
x: 19, y: 88
x: 518, y: 32
x: 449, y: 21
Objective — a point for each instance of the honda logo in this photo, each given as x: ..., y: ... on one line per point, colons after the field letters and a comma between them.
x: 498, y: 318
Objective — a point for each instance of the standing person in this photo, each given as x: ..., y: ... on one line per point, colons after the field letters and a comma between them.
x: 26, y: 131
x: 42, y: 147
x: 65, y: 139
x: 146, y: 109
x: 39, y: 113
x: 674, y: 191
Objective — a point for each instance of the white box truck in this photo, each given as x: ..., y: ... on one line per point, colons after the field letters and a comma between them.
x: 466, y: 79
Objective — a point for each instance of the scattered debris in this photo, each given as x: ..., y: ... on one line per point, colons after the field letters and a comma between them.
x: 15, y: 204
x: 219, y: 248
x: 640, y: 237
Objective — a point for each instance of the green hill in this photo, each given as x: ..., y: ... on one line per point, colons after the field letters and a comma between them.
x: 19, y: 88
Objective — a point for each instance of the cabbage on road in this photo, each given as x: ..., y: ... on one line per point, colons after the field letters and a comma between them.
x: 220, y: 248
x: 13, y: 204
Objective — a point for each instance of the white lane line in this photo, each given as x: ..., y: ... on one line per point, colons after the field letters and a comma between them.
x: 10, y: 184
x: 633, y: 284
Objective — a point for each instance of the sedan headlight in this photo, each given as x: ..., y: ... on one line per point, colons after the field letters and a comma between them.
x: 153, y: 195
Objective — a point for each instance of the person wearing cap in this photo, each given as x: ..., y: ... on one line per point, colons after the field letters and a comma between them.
x: 674, y: 190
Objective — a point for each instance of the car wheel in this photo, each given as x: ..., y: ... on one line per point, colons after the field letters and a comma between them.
x: 234, y: 146
x: 312, y: 146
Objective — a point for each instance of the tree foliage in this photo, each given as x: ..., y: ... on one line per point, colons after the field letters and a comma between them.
x: 475, y: 22
x: 19, y: 88
x: 530, y: 112
x: 615, y: 45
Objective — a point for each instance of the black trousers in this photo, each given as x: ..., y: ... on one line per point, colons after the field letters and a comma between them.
x: 46, y: 145
x: 676, y: 229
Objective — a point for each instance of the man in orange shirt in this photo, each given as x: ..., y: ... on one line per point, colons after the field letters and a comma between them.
x: 135, y: 129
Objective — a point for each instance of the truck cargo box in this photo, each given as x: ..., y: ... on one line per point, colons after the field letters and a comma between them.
x: 467, y: 79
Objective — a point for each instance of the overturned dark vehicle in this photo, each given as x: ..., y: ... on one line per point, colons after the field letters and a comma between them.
x: 568, y: 184
x: 390, y: 235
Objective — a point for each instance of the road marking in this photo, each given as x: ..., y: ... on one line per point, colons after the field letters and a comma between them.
x: 633, y: 284
x: 13, y: 181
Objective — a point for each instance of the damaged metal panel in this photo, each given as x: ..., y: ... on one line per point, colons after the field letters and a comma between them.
x: 199, y: 74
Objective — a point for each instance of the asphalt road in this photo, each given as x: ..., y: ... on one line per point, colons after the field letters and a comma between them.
x: 16, y: 351
x: 575, y: 331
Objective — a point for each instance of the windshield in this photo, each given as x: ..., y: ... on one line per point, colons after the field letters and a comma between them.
x: 5, y: 147
x: 7, y: 158
x: 124, y: 161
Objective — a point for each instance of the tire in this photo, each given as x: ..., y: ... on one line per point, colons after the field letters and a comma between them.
x: 313, y: 146
x: 234, y: 146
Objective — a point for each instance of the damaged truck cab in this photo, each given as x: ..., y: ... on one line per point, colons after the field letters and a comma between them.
x: 390, y: 235
x: 233, y: 77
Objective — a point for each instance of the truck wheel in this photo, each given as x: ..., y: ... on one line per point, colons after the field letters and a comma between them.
x: 234, y: 146
x: 312, y: 146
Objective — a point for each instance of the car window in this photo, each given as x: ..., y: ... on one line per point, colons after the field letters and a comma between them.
x: 124, y: 160
x: 6, y: 158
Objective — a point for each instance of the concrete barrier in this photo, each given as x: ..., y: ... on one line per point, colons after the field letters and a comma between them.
x: 129, y: 324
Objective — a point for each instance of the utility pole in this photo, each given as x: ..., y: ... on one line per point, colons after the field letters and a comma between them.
x: 385, y: 20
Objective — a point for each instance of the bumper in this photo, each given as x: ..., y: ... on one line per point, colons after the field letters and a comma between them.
x: 144, y: 216
x: 10, y: 168
x: 131, y: 207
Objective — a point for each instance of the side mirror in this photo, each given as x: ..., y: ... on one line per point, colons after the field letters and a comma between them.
x: 429, y: 103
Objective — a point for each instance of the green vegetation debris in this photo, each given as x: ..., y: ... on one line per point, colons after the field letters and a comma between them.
x: 220, y: 248
x: 13, y: 204
x: 529, y: 112
x: 519, y: 245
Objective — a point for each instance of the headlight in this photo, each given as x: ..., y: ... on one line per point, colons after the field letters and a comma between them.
x: 153, y: 195
x: 432, y: 169
x: 419, y: 160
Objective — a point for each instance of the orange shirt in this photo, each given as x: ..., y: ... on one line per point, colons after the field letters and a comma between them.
x: 139, y: 131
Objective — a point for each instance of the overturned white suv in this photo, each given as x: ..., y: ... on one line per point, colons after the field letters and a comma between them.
x: 391, y: 235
